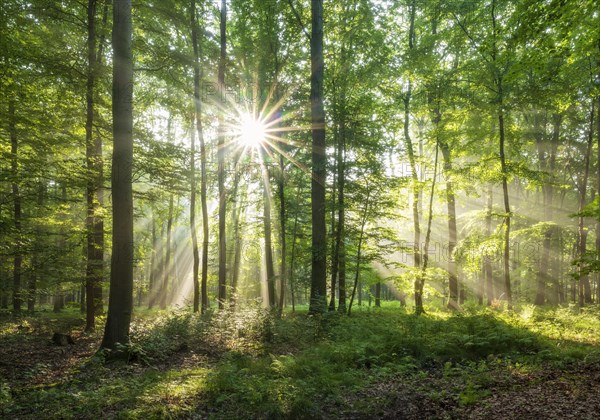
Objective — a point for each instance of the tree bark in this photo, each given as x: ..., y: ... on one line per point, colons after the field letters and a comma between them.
x: 341, y: 231
x: 120, y: 304
x: 598, y: 187
x: 18, y: 256
x: 547, y: 159
x: 359, y: 250
x: 498, y: 81
x: 282, y: 233
x: 164, y: 290
x: 412, y: 161
x: 318, y: 290
x: 452, y: 236
x: 194, y: 233
x: 222, y: 292
x: 200, y: 133
x: 334, y: 248
x: 507, y: 217
x: 94, y: 164
x: 237, y: 243
x: 487, y: 261
x: 152, y: 278
x: 35, y: 255
x: 420, y: 281
x: 293, y: 257
x: 270, y: 268
x: 583, y: 286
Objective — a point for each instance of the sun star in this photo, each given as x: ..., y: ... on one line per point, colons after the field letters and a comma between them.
x: 252, y: 131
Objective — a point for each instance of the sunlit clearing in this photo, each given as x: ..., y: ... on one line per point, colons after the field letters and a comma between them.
x: 252, y: 131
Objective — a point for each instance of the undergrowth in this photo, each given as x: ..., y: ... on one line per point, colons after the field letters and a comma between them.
x: 250, y: 363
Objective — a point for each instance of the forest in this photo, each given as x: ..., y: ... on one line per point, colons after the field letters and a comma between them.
x: 299, y: 209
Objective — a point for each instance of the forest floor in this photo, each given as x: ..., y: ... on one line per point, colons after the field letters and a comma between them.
x: 379, y: 363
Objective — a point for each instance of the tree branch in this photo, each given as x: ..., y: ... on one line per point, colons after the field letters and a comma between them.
x: 299, y: 19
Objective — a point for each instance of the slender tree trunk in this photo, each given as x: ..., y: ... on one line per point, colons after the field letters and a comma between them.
x: 507, y: 217
x: 378, y: 294
x: 152, y: 278
x: 199, y: 130
x: 487, y: 261
x: 222, y: 292
x: 267, y: 231
x: 598, y: 187
x: 334, y: 248
x: 164, y: 290
x: 35, y: 256
x: 82, y: 301
x: 18, y: 257
x: 282, y: 233
x: 359, y: 250
x: 412, y: 161
x: 584, y: 289
x: 94, y: 221
x: 200, y: 293
x: 452, y: 237
x: 98, y: 227
x: 547, y: 160
x: 120, y: 304
x: 498, y: 81
x: 237, y: 255
x: 194, y: 233
x: 341, y: 232
x: 318, y: 290
x: 293, y: 258
x: 235, y: 243
x: 59, y: 298
x: 420, y: 281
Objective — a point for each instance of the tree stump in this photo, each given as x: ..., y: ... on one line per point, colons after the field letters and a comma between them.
x: 62, y: 339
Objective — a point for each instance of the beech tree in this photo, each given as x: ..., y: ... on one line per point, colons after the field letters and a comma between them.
x: 120, y: 299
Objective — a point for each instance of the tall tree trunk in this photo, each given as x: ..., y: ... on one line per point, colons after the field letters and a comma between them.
x: 339, y: 255
x: 120, y: 304
x: 267, y: 231
x: 487, y: 260
x: 194, y: 232
x: 199, y: 131
x: 334, y: 248
x: 411, y: 158
x: 164, y: 290
x: 198, y: 126
x: 35, y: 256
x: 237, y: 255
x: 507, y: 216
x: 222, y: 292
x: 94, y: 163
x: 498, y: 81
x: 341, y: 232
x: 420, y: 281
x: 359, y: 251
x: 18, y: 256
x: 282, y: 233
x: 584, y: 289
x: 547, y: 158
x: 318, y: 290
x: 293, y: 257
x: 598, y: 187
x: 59, y: 298
x: 452, y: 237
x: 99, y: 173
x: 152, y: 281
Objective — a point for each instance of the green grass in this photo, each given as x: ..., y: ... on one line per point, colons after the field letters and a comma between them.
x: 251, y: 364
